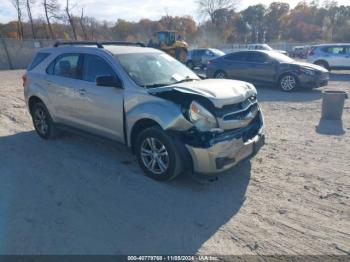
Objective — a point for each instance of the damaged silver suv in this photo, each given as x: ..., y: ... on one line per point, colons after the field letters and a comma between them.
x: 172, y: 120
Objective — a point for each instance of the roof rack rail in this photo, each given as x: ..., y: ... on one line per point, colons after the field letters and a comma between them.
x: 59, y: 43
x: 99, y: 44
x: 122, y: 43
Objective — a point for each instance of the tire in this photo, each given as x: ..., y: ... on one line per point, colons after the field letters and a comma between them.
x: 324, y: 64
x: 190, y: 64
x: 42, y: 121
x: 181, y: 54
x: 288, y: 82
x: 157, y: 154
x: 220, y: 75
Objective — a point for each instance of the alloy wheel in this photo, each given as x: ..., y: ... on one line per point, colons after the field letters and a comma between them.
x: 220, y: 75
x: 41, y: 121
x: 288, y: 83
x: 154, y: 155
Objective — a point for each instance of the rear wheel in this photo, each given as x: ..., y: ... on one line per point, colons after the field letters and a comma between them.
x: 157, y: 154
x: 288, y: 82
x: 220, y: 75
x: 181, y: 54
x: 324, y: 64
x: 42, y: 121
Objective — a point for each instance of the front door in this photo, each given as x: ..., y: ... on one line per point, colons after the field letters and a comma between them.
x: 101, y: 107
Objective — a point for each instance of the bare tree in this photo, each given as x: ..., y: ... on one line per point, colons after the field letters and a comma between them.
x: 18, y: 4
x: 70, y: 18
x: 29, y: 12
x: 51, y: 8
x: 82, y: 24
x: 209, y: 7
x: 93, y: 25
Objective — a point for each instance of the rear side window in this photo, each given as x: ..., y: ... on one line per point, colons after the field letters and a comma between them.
x: 39, y: 57
x: 335, y: 50
x: 66, y: 66
x: 257, y: 57
x: 95, y: 66
x: 238, y: 57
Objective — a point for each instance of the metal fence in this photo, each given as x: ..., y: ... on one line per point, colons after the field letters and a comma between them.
x: 17, y: 54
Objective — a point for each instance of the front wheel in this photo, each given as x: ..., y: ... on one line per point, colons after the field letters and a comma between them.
x: 157, y: 154
x: 288, y: 83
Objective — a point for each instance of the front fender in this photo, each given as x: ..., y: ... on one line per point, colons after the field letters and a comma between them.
x: 167, y: 114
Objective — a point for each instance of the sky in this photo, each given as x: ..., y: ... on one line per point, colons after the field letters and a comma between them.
x: 133, y: 10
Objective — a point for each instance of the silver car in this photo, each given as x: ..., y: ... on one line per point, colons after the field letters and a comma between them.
x: 170, y: 119
x: 201, y: 57
x: 331, y: 56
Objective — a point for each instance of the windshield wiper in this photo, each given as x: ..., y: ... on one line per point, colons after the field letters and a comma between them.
x: 157, y: 85
x: 187, y: 79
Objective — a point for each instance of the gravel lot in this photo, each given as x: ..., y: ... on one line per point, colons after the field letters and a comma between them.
x: 75, y: 195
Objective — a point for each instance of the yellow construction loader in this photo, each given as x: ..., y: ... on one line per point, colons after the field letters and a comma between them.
x: 171, y: 43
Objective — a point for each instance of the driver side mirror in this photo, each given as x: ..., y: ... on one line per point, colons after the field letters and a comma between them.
x: 109, y: 81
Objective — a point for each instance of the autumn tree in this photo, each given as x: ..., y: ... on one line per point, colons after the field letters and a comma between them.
x: 273, y: 20
x: 254, y: 17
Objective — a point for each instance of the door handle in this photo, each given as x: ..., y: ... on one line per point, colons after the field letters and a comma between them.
x: 82, y: 92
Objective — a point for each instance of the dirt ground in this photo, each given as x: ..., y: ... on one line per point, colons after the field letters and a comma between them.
x: 75, y: 195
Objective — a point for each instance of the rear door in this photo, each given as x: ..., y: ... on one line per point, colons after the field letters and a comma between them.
x: 101, y: 107
x: 337, y: 56
x: 236, y: 66
x: 63, y: 76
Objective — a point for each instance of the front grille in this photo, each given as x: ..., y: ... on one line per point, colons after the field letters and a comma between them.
x: 229, y: 109
x: 240, y: 115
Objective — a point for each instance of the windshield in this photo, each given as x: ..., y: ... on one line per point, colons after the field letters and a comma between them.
x: 155, y: 69
x: 266, y: 47
x: 281, y: 57
x: 217, y: 52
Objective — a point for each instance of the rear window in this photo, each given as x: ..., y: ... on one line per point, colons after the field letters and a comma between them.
x: 37, y: 60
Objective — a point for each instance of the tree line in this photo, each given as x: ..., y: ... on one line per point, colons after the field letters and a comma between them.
x: 221, y: 23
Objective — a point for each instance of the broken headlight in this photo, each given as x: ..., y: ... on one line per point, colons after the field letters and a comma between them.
x: 201, y: 117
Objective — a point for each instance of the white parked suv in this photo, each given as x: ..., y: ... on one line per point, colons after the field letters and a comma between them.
x: 171, y: 119
x: 330, y: 56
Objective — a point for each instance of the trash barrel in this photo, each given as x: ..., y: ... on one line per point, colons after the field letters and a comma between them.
x: 333, y: 104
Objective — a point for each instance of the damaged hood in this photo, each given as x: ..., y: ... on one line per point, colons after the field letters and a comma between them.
x: 220, y: 92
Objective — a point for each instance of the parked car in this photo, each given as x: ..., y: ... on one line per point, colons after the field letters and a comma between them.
x: 265, y: 47
x: 268, y: 67
x: 300, y: 51
x: 200, y: 57
x: 171, y: 119
x: 330, y: 56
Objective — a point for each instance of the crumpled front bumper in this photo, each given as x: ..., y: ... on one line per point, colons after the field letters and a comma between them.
x: 224, y: 155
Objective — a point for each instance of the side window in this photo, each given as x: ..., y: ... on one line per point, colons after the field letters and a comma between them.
x: 256, y: 57
x: 95, y: 66
x: 347, y: 50
x: 65, y: 66
x: 237, y: 57
x: 335, y: 50
x: 39, y: 57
